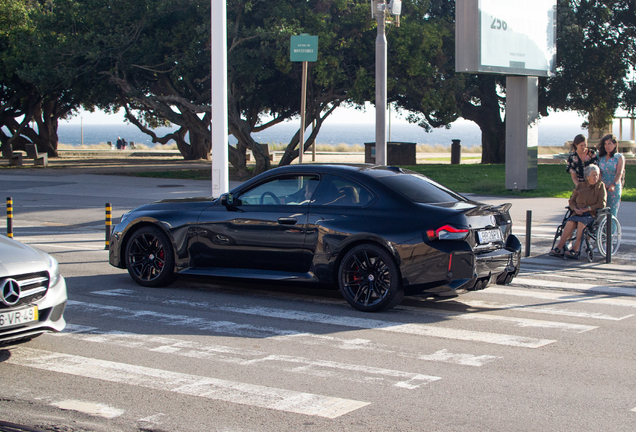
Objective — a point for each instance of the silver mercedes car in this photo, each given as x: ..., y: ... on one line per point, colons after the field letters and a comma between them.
x: 32, y: 292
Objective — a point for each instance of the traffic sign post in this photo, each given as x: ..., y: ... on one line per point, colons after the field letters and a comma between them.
x: 303, y: 48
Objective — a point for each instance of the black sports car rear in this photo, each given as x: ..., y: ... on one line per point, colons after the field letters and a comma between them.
x: 375, y: 232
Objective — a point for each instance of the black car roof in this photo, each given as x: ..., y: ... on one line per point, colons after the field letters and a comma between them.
x: 334, y: 168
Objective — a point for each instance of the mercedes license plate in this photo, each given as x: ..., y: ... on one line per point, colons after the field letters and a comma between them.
x: 17, y: 317
x: 489, y: 236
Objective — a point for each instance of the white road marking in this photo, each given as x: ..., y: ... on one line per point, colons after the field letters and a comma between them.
x: 564, y: 297
x: 77, y: 246
x: 186, y: 384
x: 625, y: 291
x: 544, y: 310
x: 90, y: 408
x: 248, y: 357
x: 463, y: 359
x: 389, y: 326
x: 518, y: 322
x: 201, y: 324
x: 365, y: 344
x: 575, y: 274
x: 581, y: 265
x: 344, y: 321
x: 115, y: 292
x: 154, y: 419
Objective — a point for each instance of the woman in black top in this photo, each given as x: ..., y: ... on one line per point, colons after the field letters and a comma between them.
x: 579, y: 158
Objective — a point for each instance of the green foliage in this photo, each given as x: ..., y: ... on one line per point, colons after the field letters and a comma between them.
x: 595, y: 52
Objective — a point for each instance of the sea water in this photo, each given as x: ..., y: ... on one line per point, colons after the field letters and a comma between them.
x: 332, y: 134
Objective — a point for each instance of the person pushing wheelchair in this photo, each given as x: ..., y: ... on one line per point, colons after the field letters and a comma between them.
x: 588, y: 197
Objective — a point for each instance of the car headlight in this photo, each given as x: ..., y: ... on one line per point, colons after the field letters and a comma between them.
x: 54, y: 271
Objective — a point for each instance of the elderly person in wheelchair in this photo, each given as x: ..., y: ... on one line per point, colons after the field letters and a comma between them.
x: 588, y: 197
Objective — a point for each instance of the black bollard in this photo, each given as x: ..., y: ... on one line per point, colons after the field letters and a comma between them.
x: 528, y: 231
x: 456, y: 152
x: 9, y: 217
x: 109, y: 218
x: 608, y: 234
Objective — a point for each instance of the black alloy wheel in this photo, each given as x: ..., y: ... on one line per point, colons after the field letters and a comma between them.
x: 369, y: 279
x: 150, y: 258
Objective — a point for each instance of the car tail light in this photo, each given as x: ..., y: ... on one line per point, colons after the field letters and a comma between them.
x: 447, y: 232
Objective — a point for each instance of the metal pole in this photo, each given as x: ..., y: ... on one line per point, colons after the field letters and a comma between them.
x: 313, y: 145
x: 528, y: 231
x: 220, y: 152
x: 380, y: 85
x: 9, y: 217
x: 109, y: 219
x: 608, y: 234
x: 303, y: 100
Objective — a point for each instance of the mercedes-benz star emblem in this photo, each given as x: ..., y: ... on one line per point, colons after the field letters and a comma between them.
x: 10, y: 292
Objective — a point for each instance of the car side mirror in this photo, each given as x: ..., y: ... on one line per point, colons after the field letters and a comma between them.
x: 227, y: 200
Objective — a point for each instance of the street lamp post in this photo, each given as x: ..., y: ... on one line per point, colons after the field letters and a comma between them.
x: 220, y: 171
x: 380, y: 85
x: 380, y: 10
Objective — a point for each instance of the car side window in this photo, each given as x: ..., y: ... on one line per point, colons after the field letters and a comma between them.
x: 284, y: 190
x: 340, y: 192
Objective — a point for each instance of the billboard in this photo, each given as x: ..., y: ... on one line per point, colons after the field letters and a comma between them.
x: 510, y: 37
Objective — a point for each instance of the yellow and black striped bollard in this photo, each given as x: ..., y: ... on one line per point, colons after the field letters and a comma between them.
x: 9, y: 217
x: 109, y: 222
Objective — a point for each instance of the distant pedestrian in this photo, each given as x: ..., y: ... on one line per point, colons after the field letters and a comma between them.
x: 119, y: 143
x: 579, y: 158
x: 123, y: 144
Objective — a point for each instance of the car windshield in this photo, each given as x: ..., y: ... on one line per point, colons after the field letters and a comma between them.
x: 420, y: 189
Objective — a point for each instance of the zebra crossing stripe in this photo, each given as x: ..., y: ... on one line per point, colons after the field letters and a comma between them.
x: 247, y: 357
x: 523, y: 281
x: 548, y: 311
x: 249, y: 330
x: 571, y: 297
x: 394, y: 327
x: 186, y: 384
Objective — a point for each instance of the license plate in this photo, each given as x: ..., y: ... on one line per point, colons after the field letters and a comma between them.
x: 489, y: 236
x: 22, y: 316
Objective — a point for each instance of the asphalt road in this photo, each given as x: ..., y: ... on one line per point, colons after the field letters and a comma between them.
x: 552, y: 352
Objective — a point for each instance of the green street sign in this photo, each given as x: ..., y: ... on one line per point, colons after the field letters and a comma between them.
x: 303, y: 48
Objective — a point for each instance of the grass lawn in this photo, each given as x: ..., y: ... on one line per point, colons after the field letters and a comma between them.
x: 553, y: 181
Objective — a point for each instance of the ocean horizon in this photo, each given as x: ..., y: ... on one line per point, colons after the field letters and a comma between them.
x: 331, y: 134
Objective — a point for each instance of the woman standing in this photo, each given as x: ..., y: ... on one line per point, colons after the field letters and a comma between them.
x: 612, y: 166
x: 579, y: 158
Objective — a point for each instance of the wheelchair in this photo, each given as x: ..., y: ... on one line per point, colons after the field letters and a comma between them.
x: 594, y: 234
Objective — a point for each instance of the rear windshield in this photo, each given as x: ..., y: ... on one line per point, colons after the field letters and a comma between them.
x: 420, y: 189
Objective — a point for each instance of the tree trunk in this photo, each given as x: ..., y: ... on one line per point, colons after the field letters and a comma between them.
x: 200, y: 147
x: 242, y: 132
x: 487, y: 115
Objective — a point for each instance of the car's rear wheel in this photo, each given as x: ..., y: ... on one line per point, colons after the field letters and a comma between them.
x: 150, y: 257
x: 369, y: 279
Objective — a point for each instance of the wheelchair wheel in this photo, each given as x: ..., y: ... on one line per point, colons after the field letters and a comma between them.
x: 590, y: 255
x: 601, y: 236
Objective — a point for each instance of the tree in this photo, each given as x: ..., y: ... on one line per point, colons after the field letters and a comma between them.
x: 596, y: 41
x: 595, y: 48
x: 264, y: 86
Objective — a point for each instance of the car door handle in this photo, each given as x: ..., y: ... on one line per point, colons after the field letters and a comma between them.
x: 287, y: 221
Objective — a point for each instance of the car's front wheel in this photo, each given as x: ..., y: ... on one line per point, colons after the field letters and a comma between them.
x: 369, y: 279
x: 150, y: 257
